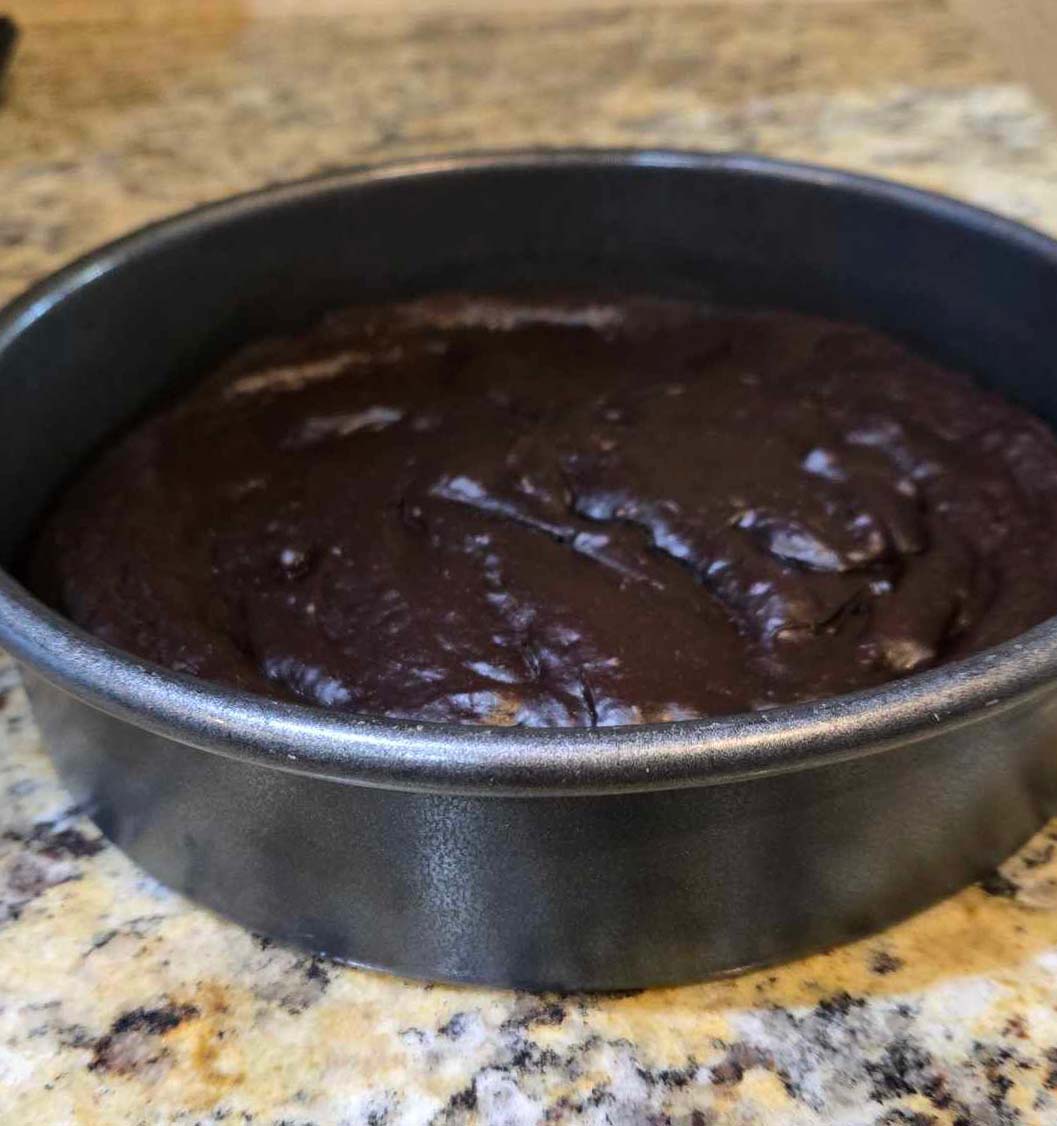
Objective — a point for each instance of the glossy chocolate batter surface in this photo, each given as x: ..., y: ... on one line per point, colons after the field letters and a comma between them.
x: 564, y: 513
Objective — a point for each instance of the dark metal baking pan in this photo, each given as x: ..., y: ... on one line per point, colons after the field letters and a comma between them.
x: 563, y: 858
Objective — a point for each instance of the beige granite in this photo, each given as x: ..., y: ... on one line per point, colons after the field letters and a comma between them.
x: 120, y: 1003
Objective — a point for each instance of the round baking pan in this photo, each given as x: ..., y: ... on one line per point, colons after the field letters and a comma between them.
x: 558, y: 858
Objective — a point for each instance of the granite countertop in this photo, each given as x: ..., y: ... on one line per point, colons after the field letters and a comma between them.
x: 121, y: 1003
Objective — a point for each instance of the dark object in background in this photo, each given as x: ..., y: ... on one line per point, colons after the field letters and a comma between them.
x: 8, y: 38
x: 563, y: 858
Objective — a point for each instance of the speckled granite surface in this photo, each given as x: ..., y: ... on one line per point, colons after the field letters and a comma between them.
x: 119, y: 1002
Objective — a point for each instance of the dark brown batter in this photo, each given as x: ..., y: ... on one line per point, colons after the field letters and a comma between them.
x: 564, y: 513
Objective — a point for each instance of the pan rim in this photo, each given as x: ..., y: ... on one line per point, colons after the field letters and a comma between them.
x: 502, y: 761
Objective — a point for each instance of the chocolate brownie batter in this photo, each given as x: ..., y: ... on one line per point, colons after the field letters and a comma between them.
x: 564, y: 513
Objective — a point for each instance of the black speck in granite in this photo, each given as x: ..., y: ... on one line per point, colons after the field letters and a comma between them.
x: 45, y: 856
x: 66, y: 842
x: 154, y: 1021
x: 75, y: 1036
x: 999, y: 884
x: 464, y: 1099
x: 740, y: 1057
x: 904, y: 1068
x: 29, y: 876
x: 125, y: 1047
x: 995, y: 1062
x: 599, y: 1096
x: 674, y: 1077
x: 542, y: 1012
x: 1016, y: 1027
x: 703, y: 1117
x: 839, y: 1005
x: 454, y: 1027
x: 1033, y: 858
x: 531, y: 1057
x: 293, y: 982
x: 884, y: 962
x: 316, y: 971
x: 138, y: 927
x: 1050, y: 1081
